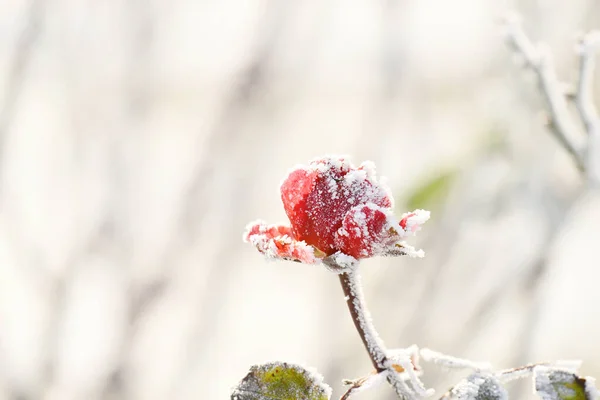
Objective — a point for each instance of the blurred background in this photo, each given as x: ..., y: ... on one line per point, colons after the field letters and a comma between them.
x: 138, y: 138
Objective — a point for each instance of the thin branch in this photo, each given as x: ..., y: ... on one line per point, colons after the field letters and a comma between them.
x: 561, y: 123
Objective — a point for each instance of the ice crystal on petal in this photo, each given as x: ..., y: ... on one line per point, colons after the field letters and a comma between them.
x: 336, y: 208
x: 276, y: 242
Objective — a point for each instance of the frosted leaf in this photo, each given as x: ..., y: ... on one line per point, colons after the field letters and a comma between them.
x: 281, y: 381
x: 477, y: 386
x: 558, y: 384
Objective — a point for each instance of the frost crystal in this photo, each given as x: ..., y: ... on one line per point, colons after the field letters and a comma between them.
x: 336, y: 210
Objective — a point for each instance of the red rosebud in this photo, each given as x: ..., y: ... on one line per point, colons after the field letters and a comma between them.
x: 335, y: 209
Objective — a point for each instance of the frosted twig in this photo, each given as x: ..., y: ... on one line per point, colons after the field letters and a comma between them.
x: 453, y: 362
x: 358, y: 385
x: 381, y: 360
x: 511, y: 374
x: 538, y: 60
x: 361, y: 317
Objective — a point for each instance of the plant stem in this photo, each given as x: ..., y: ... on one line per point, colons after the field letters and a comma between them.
x: 362, y: 319
x: 380, y: 358
x: 352, y: 287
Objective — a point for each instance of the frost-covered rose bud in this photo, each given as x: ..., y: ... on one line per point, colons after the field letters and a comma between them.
x: 336, y: 209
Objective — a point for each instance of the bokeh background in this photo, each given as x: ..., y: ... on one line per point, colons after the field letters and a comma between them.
x: 138, y: 138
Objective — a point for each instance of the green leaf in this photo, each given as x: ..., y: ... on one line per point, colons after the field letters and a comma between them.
x: 281, y: 381
x: 555, y: 384
x: 431, y: 192
x: 477, y: 386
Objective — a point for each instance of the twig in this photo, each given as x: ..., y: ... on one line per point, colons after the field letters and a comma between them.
x: 351, y: 285
x: 561, y: 123
x: 361, y: 384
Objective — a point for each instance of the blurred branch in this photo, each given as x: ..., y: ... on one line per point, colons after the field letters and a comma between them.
x: 562, y: 124
x: 583, y: 98
x: 588, y: 47
x: 538, y: 60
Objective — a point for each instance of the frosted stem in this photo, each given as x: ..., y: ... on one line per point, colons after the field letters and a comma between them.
x: 361, y: 317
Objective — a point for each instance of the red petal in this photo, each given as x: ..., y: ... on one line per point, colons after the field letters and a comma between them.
x: 405, y: 219
x: 275, y: 241
x: 365, y: 231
